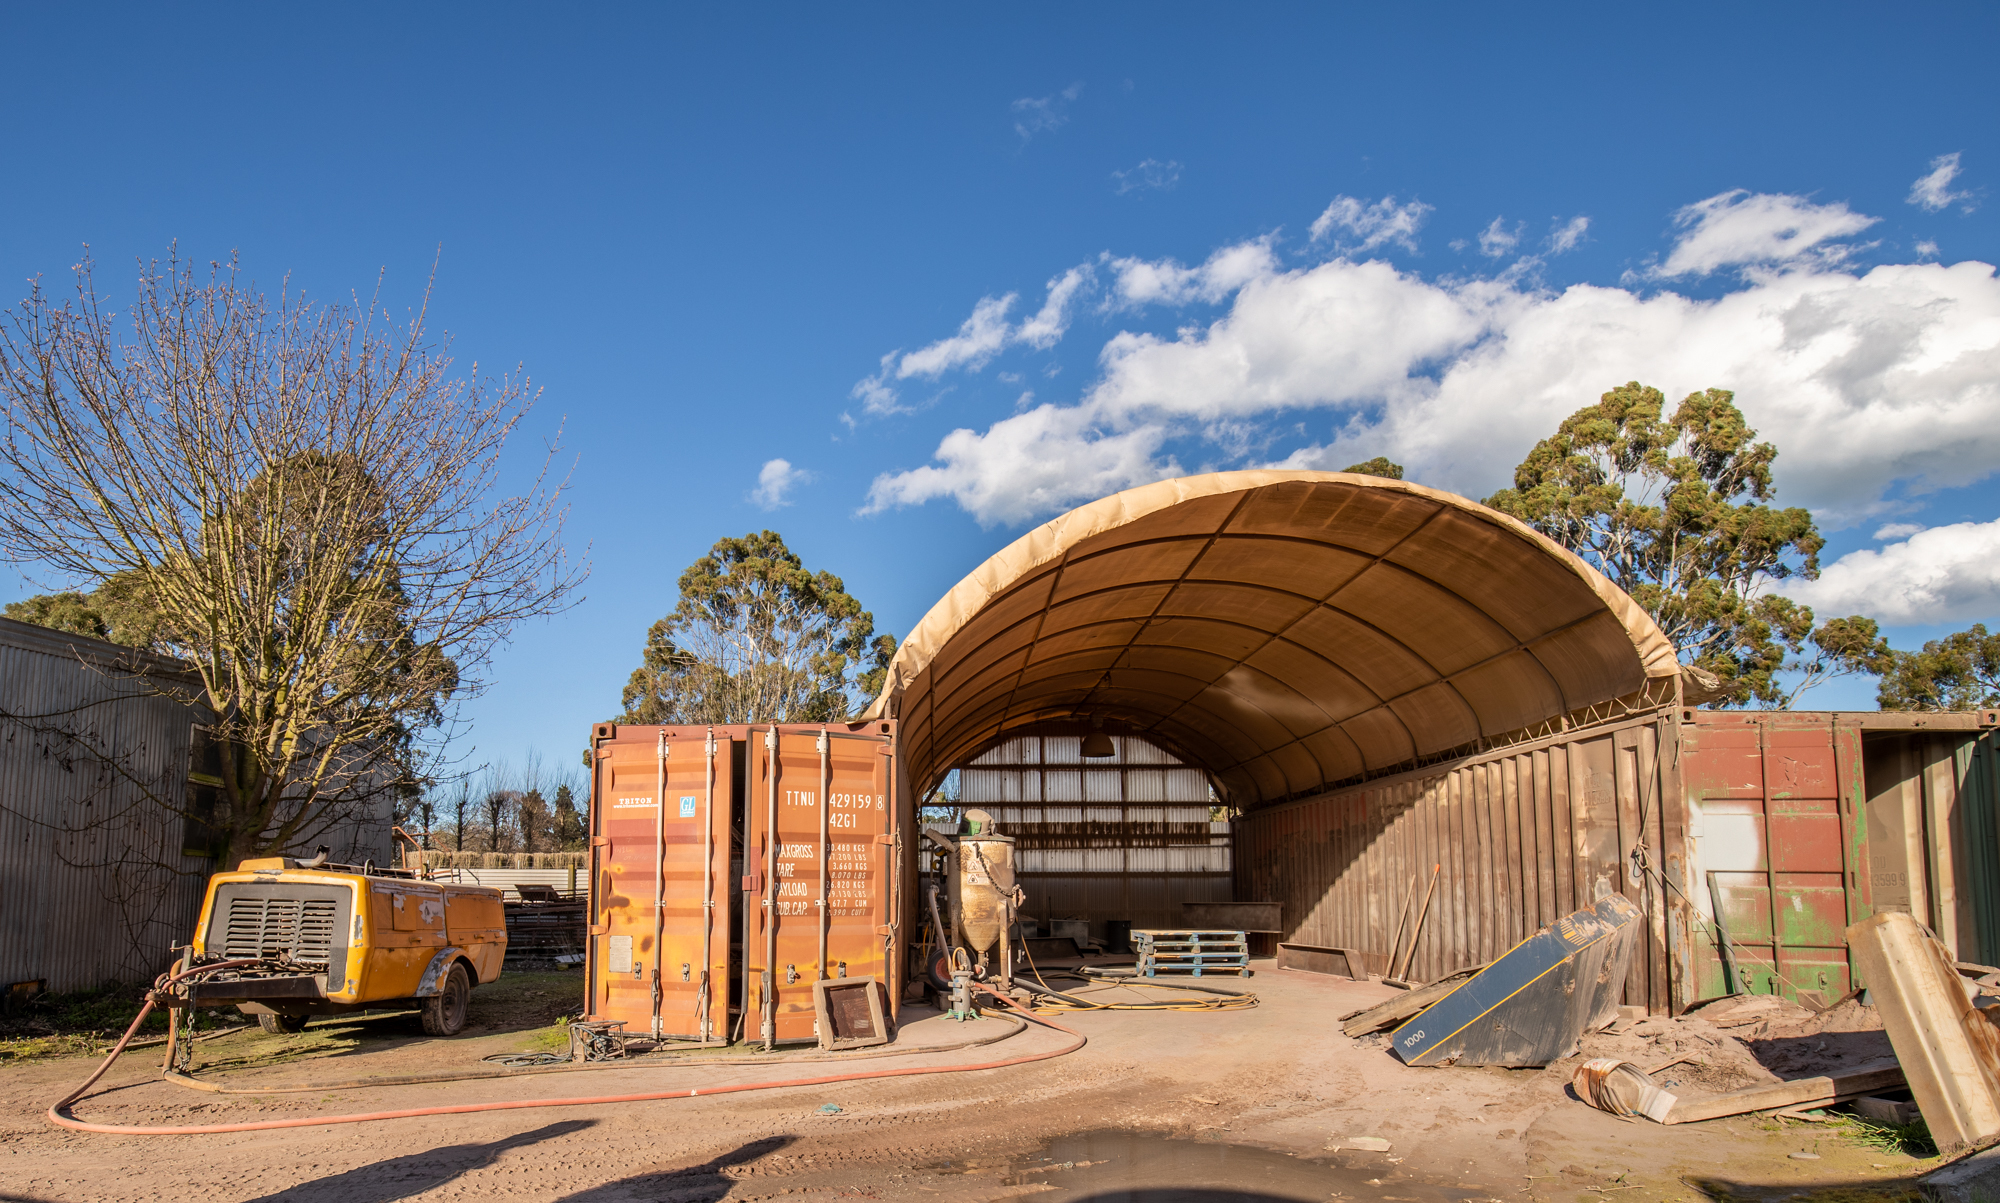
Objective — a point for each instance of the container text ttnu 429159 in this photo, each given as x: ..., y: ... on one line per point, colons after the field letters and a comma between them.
x: 707, y: 926
x: 820, y: 869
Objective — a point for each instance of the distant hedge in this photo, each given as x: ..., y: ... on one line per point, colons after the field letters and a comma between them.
x: 507, y: 860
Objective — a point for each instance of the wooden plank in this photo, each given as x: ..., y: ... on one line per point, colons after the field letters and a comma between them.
x: 1864, y: 1079
x: 1947, y: 828
x: 1403, y: 1006
x: 1945, y: 1046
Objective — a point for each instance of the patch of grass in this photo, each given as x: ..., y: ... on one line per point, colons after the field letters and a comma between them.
x: 84, y: 1022
x: 37, y: 1048
x: 1912, y: 1139
x: 109, y: 1008
x: 551, y: 1039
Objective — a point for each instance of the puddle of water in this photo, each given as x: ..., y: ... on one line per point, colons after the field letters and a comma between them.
x: 1146, y: 1167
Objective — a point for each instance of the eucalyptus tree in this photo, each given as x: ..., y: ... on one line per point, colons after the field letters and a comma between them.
x: 758, y: 637
x: 1678, y: 510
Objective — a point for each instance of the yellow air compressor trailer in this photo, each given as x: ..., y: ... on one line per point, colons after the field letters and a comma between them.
x: 340, y: 938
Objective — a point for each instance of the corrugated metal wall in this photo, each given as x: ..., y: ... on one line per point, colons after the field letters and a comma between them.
x: 1933, y: 846
x: 93, y: 883
x: 1522, y: 836
x: 1125, y: 837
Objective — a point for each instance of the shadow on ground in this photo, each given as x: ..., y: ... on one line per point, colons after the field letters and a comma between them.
x: 402, y: 1177
x: 704, y: 1183
x: 1726, y: 1190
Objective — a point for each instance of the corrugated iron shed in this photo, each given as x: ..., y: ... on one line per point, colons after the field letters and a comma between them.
x: 94, y: 884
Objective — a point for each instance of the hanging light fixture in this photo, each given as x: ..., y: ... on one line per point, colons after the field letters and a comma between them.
x: 1097, y: 745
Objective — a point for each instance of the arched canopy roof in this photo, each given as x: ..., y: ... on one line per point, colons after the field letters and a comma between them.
x: 1286, y: 630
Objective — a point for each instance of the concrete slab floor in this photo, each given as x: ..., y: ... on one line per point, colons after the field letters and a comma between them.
x: 1176, y: 1105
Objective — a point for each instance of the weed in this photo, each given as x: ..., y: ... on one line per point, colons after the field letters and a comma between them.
x: 1912, y: 1139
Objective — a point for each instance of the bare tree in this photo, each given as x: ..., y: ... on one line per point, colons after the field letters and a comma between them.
x: 306, y: 500
x: 461, y: 802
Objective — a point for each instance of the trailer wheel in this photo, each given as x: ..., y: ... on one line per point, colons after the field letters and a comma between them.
x: 444, y: 1012
x: 278, y: 1025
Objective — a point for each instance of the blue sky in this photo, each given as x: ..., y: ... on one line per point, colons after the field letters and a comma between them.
x: 1288, y: 234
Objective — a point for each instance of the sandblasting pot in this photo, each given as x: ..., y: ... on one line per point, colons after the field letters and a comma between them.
x: 985, y: 888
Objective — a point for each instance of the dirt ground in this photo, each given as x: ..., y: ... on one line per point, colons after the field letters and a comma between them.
x: 1248, y: 1104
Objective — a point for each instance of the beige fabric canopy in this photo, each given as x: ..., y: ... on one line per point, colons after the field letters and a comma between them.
x: 1284, y: 630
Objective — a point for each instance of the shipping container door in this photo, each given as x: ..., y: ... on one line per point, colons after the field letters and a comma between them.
x: 660, y: 811
x: 1776, y: 815
x: 824, y: 881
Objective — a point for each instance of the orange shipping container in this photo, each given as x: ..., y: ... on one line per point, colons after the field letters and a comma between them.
x: 691, y: 901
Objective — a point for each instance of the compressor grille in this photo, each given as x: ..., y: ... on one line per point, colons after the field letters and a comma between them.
x: 305, y: 928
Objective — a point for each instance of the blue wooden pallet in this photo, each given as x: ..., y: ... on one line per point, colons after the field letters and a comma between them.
x: 1193, y: 951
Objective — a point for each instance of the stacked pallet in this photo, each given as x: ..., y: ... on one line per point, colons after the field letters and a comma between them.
x: 546, y: 934
x: 1192, y: 951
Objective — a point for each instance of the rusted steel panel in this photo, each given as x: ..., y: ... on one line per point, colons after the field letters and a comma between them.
x: 1508, y: 834
x: 663, y: 877
x: 1654, y: 793
x: 681, y: 957
x: 820, y: 828
x: 1804, y: 824
x: 1562, y: 840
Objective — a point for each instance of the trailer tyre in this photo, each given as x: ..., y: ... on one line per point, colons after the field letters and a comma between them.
x: 278, y: 1025
x: 444, y: 1012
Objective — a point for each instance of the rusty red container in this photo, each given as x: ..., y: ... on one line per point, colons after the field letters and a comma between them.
x: 733, y: 866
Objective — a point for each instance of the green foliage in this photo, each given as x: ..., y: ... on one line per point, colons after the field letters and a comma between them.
x: 569, y: 821
x: 1676, y: 511
x: 119, y: 610
x: 71, y: 612
x: 1381, y: 465
x: 757, y: 637
x: 1958, y: 672
x: 1912, y: 1139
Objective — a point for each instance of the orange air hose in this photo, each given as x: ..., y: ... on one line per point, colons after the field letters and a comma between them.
x: 57, y: 1113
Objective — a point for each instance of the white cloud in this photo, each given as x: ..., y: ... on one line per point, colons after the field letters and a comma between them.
x: 1944, y: 574
x: 1150, y: 173
x: 1932, y: 192
x: 1047, y: 327
x: 980, y: 337
x: 1496, y: 240
x: 1862, y: 380
x: 1374, y: 225
x: 1568, y: 236
x: 1742, y: 228
x: 775, y: 480
x: 1896, y: 530
x: 1030, y: 464
x: 1039, y: 114
x: 1927, y: 249
x: 1138, y: 282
